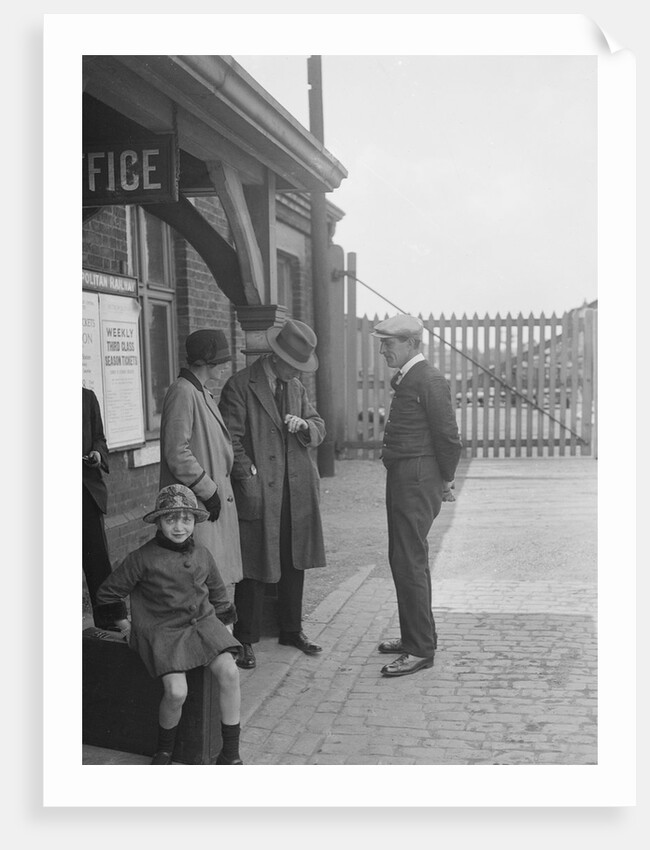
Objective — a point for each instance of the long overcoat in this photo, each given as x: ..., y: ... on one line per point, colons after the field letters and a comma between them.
x: 196, y: 450
x: 261, y: 439
x: 93, y: 439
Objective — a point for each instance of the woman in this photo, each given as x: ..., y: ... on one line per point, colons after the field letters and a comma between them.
x: 196, y: 450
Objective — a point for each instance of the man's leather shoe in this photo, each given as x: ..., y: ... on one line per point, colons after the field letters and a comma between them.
x: 162, y: 757
x: 247, y: 658
x: 406, y: 664
x: 301, y: 641
x: 221, y: 759
x: 394, y: 645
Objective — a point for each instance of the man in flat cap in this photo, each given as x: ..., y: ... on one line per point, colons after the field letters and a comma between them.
x: 421, y: 450
x: 273, y: 425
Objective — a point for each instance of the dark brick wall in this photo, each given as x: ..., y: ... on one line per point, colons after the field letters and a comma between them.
x: 199, y: 303
x: 104, y: 241
x: 104, y: 247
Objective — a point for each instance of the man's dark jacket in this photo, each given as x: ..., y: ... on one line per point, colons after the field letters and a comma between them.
x: 93, y: 439
x: 421, y: 421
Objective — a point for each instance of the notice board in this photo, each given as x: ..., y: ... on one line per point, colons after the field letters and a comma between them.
x: 112, y: 364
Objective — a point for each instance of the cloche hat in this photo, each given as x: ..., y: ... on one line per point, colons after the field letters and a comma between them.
x: 176, y: 497
x: 207, y: 346
x: 294, y: 343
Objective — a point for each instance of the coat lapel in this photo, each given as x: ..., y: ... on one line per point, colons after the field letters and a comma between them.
x: 260, y: 388
x: 209, y: 400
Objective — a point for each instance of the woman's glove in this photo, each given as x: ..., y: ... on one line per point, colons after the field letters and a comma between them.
x: 228, y: 616
x: 213, y: 505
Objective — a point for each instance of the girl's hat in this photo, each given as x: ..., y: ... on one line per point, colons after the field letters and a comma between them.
x: 207, y: 346
x: 294, y: 343
x: 176, y: 497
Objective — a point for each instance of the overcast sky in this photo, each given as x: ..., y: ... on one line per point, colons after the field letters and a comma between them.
x: 472, y: 180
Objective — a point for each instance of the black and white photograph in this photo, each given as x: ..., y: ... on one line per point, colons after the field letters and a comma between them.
x: 342, y: 319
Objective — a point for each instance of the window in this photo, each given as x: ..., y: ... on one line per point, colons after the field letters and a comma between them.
x: 153, y: 256
x: 285, y: 283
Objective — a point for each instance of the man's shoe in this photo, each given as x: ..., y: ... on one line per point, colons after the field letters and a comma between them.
x: 301, y: 641
x: 247, y: 658
x: 406, y: 664
x: 162, y: 757
x: 221, y: 759
x: 391, y: 646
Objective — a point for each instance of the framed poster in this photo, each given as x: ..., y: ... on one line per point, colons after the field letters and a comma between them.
x: 121, y: 370
x: 91, y: 376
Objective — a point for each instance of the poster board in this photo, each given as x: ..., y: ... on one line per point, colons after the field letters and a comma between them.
x: 112, y: 364
x: 91, y: 376
x: 121, y: 370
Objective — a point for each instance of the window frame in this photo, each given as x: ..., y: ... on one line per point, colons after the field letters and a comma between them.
x: 150, y: 294
x: 288, y: 262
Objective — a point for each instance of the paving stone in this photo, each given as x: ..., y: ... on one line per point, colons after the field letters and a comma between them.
x: 306, y: 744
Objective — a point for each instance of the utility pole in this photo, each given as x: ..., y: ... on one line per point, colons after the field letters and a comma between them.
x: 321, y: 280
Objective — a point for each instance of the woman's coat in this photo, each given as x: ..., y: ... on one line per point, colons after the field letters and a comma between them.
x: 196, y: 450
x: 261, y: 439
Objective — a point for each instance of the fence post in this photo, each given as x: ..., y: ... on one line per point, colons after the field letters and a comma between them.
x: 508, y: 377
x: 588, y: 372
x: 552, y: 378
x: 541, y: 384
x: 496, y: 439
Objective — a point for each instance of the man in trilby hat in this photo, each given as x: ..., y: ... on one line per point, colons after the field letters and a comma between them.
x: 273, y: 425
x: 421, y: 449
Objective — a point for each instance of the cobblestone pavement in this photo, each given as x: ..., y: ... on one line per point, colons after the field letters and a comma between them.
x: 514, y: 682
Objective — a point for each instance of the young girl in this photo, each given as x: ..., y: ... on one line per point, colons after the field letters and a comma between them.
x: 179, y: 612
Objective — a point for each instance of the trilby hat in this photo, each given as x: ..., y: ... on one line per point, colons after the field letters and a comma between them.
x: 294, y: 343
x: 176, y: 497
x: 207, y: 346
x: 399, y: 326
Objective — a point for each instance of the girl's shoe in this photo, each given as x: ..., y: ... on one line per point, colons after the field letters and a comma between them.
x: 221, y: 759
x: 162, y: 757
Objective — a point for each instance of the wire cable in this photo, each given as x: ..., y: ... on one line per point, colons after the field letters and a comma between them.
x: 504, y: 383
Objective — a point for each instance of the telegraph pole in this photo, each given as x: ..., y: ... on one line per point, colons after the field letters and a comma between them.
x: 321, y: 280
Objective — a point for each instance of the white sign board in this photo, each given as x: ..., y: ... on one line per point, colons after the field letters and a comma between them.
x: 121, y: 368
x: 91, y: 377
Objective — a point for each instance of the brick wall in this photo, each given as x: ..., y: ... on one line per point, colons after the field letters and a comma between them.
x: 104, y: 247
x: 104, y: 241
x: 199, y: 303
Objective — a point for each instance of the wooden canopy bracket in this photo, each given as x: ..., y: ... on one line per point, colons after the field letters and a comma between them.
x: 231, y: 193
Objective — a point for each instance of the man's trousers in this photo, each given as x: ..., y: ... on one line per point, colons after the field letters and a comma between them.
x: 413, y: 501
x: 249, y: 593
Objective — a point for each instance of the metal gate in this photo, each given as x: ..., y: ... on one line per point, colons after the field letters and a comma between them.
x: 522, y: 387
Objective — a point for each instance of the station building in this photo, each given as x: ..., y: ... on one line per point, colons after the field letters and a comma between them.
x: 197, y: 212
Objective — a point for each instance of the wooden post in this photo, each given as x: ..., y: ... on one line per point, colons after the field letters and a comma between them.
x: 336, y: 262
x: 321, y: 283
x: 541, y: 384
x: 496, y: 413
x: 552, y: 385
x: 351, y: 367
x: 508, y: 378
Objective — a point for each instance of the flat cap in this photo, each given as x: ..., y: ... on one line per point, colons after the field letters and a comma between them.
x: 404, y: 326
